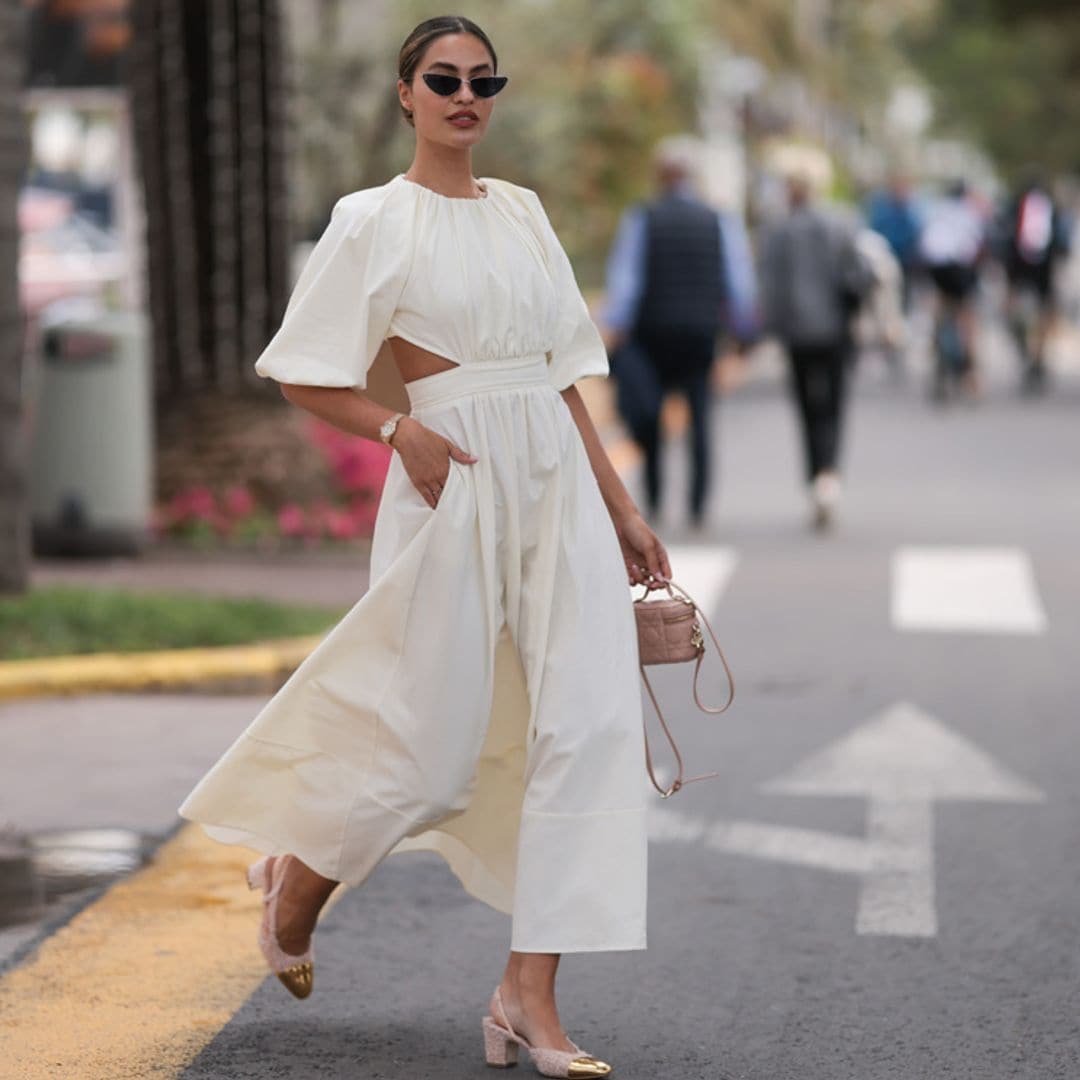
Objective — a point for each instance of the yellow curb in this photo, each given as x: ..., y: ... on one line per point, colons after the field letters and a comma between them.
x: 141, y: 981
x: 151, y: 670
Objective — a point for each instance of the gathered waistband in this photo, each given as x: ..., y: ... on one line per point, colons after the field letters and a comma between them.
x: 478, y: 378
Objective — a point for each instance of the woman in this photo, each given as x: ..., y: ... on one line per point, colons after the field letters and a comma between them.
x: 481, y: 699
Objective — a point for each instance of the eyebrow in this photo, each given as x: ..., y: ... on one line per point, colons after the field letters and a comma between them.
x: 454, y: 68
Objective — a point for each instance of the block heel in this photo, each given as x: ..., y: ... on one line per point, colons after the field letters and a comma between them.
x: 499, y: 1051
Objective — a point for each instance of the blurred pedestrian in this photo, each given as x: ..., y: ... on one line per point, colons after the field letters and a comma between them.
x: 951, y: 247
x: 679, y: 273
x: 1035, y: 237
x: 891, y: 212
x: 813, y: 280
x: 879, y: 325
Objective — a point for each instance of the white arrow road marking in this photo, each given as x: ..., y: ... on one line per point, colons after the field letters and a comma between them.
x: 704, y: 572
x: 901, y: 762
x: 974, y: 590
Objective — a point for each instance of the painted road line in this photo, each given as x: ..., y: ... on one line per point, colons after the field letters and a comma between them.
x: 139, y: 982
x: 59, y: 675
x: 704, y: 572
x: 967, y: 590
x: 901, y: 762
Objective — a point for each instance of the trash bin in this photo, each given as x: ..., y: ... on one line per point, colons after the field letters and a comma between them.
x: 91, y: 443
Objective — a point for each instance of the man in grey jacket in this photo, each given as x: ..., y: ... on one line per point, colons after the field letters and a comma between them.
x: 812, y: 280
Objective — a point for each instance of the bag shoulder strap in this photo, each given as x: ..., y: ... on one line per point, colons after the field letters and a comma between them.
x: 680, y: 781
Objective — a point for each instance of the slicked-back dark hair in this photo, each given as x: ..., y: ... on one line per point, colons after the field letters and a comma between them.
x: 416, y: 44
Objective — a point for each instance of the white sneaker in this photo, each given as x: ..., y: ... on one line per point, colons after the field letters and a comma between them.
x: 825, y: 494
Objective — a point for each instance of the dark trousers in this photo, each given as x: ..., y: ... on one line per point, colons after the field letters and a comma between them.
x: 646, y: 368
x: 819, y: 386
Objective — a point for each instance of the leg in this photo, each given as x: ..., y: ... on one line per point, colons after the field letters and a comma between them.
x: 639, y: 398
x: 354, y: 752
x: 698, y: 396
x: 581, y: 866
x: 834, y: 378
x: 528, y: 995
x: 802, y: 379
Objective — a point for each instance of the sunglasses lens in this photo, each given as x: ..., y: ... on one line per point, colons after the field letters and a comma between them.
x: 488, y: 85
x: 443, y: 85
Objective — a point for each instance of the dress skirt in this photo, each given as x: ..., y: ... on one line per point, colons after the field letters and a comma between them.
x: 481, y: 699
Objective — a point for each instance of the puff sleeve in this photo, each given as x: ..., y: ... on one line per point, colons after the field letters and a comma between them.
x: 340, y: 309
x: 577, y: 350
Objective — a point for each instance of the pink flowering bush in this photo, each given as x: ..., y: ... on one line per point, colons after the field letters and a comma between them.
x: 358, y: 471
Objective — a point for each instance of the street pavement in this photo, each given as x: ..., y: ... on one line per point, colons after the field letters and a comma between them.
x: 881, y: 884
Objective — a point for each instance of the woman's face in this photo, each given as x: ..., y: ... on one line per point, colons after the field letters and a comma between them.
x: 460, y: 120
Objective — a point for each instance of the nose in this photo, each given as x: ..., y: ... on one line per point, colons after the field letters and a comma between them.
x: 464, y: 93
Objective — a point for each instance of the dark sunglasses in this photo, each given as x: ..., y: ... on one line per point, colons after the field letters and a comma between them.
x: 484, y: 86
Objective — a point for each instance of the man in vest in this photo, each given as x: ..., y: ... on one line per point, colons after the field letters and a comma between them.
x: 679, y: 273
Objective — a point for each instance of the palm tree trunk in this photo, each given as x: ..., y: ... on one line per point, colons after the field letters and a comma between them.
x: 14, y: 513
x: 208, y: 93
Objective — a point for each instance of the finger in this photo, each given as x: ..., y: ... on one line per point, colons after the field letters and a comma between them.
x: 665, y: 562
x: 461, y: 455
x: 652, y: 558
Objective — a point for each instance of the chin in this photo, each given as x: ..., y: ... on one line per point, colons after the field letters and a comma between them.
x: 461, y: 140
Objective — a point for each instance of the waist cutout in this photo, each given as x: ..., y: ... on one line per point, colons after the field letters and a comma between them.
x: 481, y: 377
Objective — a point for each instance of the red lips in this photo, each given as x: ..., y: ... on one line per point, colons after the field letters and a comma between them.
x: 464, y: 114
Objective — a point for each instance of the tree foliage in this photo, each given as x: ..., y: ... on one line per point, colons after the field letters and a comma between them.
x: 1008, y: 75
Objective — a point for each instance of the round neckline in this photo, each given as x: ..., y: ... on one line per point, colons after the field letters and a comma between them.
x: 482, y: 181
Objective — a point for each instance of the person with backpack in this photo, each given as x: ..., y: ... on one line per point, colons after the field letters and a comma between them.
x: 1036, y: 237
x: 814, y: 280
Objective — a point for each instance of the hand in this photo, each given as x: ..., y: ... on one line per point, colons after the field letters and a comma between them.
x: 426, y: 456
x: 612, y: 338
x: 645, y: 556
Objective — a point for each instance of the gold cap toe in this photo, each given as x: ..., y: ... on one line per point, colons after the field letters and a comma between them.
x: 587, y: 1066
x: 299, y: 980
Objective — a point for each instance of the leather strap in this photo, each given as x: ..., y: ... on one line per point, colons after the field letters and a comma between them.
x: 680, y: 781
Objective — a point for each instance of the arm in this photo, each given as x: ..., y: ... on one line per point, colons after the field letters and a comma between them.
x: 643, y: 552
x: 625, y: 277
x: 425, y: 454
x: 742, y: 293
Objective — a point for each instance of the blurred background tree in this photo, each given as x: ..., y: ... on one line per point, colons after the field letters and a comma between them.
x: 1009, y: 75
x: 14, y: 522
x: 208, y: 103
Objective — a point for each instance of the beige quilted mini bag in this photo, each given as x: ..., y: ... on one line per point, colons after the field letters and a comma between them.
x: 669, y: 632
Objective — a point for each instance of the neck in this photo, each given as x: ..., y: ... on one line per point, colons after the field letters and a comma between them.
x: 444, y: 169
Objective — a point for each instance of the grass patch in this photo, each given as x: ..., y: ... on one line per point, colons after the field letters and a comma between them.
x: 61, y: 620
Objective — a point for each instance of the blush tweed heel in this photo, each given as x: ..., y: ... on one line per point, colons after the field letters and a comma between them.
x: 501, y: 1044
x: 297, y: 973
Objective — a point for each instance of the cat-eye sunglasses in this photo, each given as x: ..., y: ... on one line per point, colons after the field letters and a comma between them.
x: 483, y: 86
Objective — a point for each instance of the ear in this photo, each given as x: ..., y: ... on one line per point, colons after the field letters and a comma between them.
x: 405, y: 95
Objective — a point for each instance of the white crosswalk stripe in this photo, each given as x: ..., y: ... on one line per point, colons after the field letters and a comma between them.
x: 704, y: 572
x: 977, y: 590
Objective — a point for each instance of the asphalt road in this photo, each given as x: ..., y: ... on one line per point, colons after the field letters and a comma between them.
x: 883, y: 883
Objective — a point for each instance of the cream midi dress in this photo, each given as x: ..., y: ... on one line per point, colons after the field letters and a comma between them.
x: 481, y: 700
